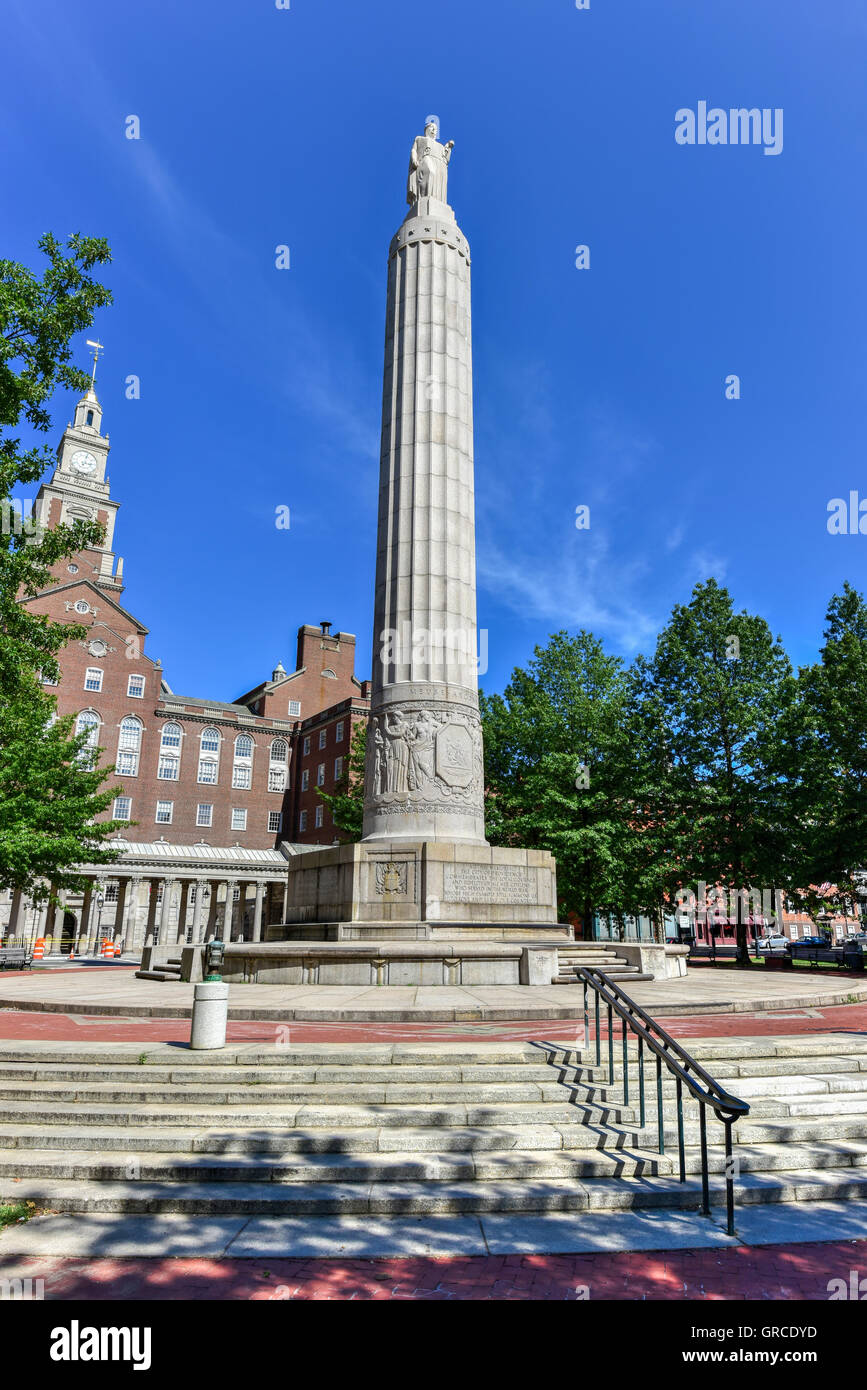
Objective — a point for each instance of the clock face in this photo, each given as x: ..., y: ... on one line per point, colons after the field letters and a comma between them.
x: 83, y: 462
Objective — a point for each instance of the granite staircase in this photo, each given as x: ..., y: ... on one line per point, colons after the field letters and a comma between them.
x: 595, y: 955
x: 166, y: 970
x: 413, y: 1128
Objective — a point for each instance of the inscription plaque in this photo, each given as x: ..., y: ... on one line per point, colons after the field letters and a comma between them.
x: 489, y: 883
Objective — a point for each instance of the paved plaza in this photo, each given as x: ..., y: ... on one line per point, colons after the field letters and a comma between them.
x: 705, y: 989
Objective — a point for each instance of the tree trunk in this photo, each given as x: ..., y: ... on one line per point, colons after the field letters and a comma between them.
x: 743, y: 952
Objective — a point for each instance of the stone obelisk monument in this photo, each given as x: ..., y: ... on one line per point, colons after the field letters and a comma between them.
x: 423, y: 868
x: 424, y: 778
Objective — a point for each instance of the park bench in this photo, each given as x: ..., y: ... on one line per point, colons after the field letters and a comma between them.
x: 849, y: 956
x: 15, y: 958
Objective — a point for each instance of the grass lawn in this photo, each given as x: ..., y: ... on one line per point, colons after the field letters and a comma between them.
x: 10, y: 1212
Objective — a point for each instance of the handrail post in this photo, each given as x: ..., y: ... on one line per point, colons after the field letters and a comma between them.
x: 625, y: 1065
x: 586, y: 1019
x: 610, y: 1046
x: 660, y: 1120
x: 680, y: 1140
x: 730, y: 1182
x: 598, y: 1031
x: 705, y: 1180
x: 642, y: 1117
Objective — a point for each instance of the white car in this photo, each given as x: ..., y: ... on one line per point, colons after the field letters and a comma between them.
x: 773, y: 943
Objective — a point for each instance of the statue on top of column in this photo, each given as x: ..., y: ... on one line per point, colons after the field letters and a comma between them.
x: 428, y: 165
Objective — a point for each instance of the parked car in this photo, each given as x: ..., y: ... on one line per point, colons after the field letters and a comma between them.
x: 773, y: 943
x: 814, y: 941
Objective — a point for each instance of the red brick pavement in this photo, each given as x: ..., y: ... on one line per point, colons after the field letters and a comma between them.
x: 757, y: 1273
x: 51, y: 1027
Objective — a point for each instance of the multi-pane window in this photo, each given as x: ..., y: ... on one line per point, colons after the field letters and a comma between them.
x: 48, y: 680
x: 82, y: 606
x: 209, y: 755
x: 279, y: 753
x: 170, y: 759
x: 320, y: 775
x: 128, y: 746
x: 111, y: 892
x: 305, y: 779
x: 307, y: 745
x: 338, y: 731
x: 242, y: 771
x: 164, y: 812
x: 89, y: 720
x: 319, y: 811
x: 294, y: 709
x: 93, y: 678
x: 135, y: 687
x: 205, y: 813
x: 323, y: 737
x: 275, y: 820
x: 302, y: 821
x: 122, y: 808
x: 239, y: 818
x: 338, y: 769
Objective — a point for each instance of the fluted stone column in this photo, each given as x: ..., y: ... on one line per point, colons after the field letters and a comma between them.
x: 211, y: 928
x: 257, y: 916
x: 165, y: 910
x: 197, y: 911
x: 424, y: 774
x: 181, y: 934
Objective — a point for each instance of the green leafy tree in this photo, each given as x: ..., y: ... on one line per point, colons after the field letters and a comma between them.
x: 560, y: 774
x: 713, y: 692
x: 49, y: 783
x: 347, y: 799
x: 825, y: 757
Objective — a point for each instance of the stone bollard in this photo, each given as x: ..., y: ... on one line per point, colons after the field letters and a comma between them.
x: 210, y: 1012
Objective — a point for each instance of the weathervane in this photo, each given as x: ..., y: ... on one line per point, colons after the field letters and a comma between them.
x: 97, y: 349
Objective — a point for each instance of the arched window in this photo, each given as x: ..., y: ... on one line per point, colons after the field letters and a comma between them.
x: 209, y: 756
x: 171, y: 736
x: 332, y: 675
x: 90, y: 722
x: 242, y: 772
x: 128, y: 746
x: 277, y: 765
x: 89, y: 420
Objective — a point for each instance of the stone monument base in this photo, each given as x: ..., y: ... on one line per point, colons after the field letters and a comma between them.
x: 422, y: 884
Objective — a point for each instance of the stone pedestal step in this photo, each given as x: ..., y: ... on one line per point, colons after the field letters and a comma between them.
x: 525, y: 1194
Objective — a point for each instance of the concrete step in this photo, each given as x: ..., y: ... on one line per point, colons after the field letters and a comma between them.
x: 627, y: 973
x: 87, y: 1165
x: 408, y: 1197
x: 786, y: 1050
x: 95, y: 1164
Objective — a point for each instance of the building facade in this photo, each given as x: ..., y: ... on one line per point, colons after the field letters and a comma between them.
x: 225, y: 778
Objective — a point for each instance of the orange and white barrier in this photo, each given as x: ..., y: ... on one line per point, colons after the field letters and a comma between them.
x: 39, y: 948
x: 107, y: 949
x: 117, y: 950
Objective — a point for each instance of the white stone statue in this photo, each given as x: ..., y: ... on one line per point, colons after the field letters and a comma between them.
x: 428, y: 166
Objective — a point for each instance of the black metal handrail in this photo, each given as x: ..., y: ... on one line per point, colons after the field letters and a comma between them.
x: 685, y: 1069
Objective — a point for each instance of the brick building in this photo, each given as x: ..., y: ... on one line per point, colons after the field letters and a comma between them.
x: 189, y: 770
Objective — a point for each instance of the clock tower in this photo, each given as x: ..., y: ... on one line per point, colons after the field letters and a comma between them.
x: 79, y: 491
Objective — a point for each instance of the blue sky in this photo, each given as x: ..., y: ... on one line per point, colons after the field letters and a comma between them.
x: 605, y: 387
